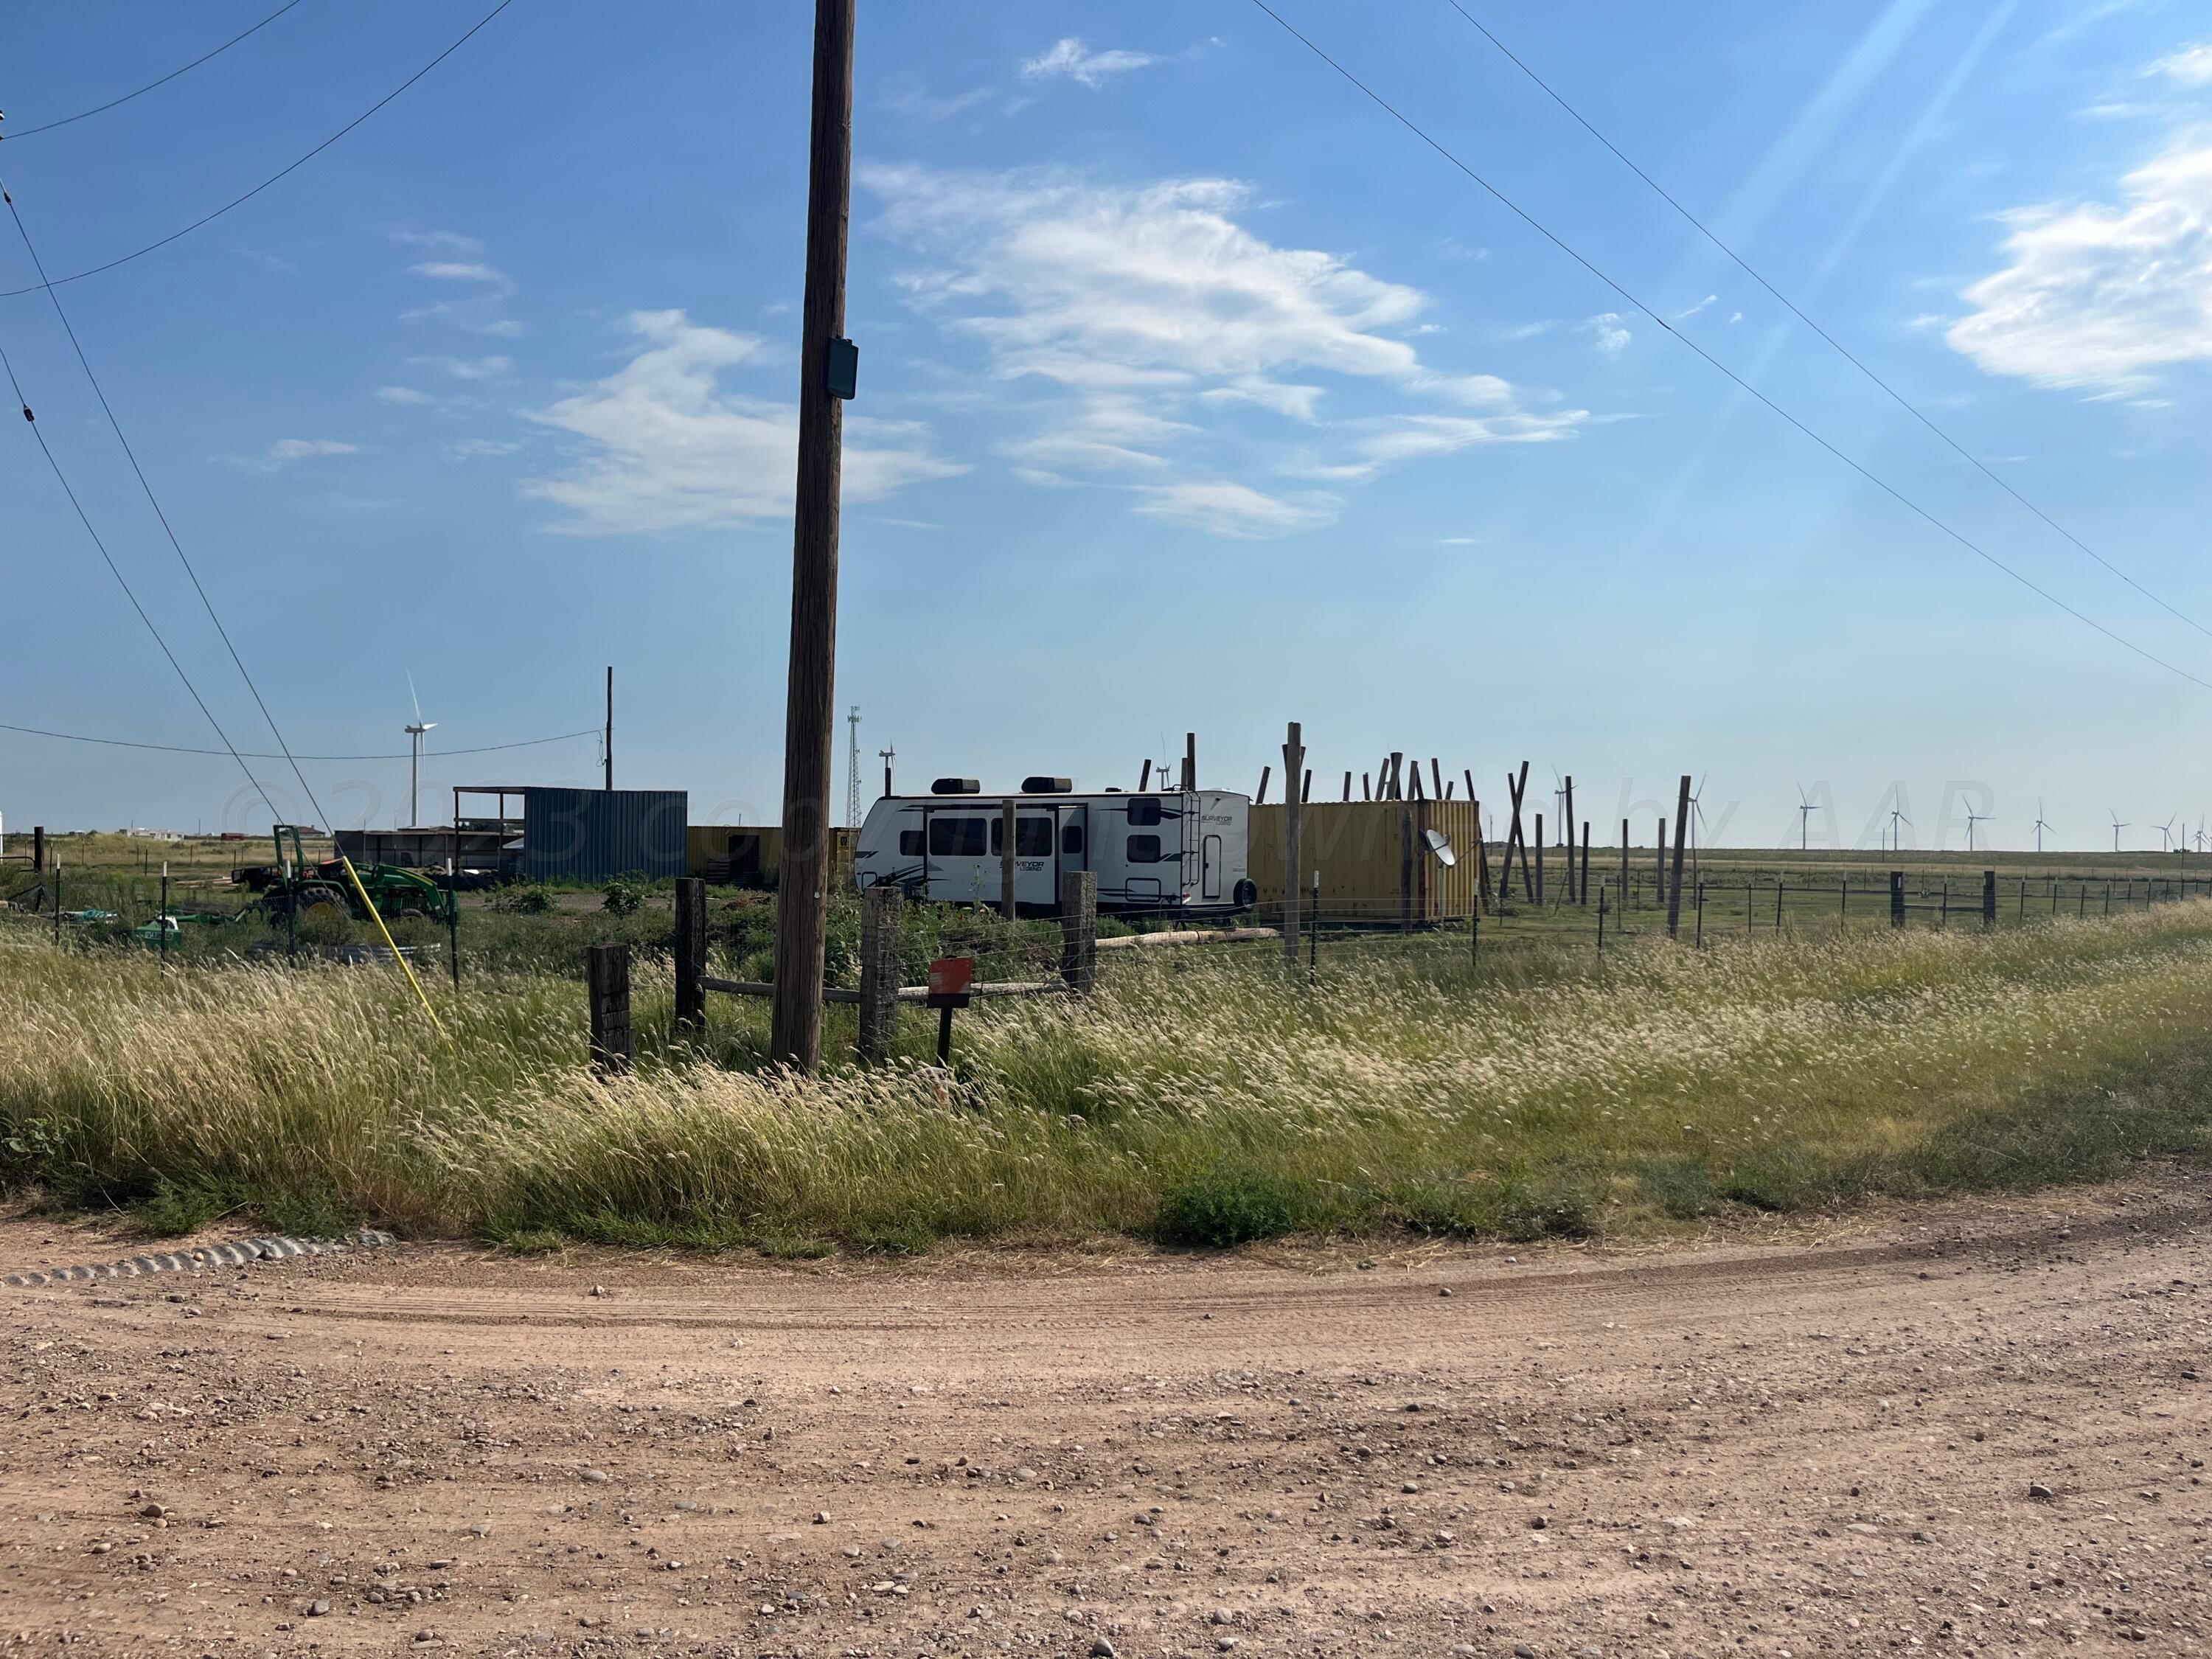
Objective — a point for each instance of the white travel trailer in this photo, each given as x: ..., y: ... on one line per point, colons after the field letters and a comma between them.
x: 1175, y: 852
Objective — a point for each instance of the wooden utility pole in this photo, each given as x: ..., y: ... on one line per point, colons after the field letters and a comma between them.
x: 1681, y: 829
x: 610, y: 744
x: 802, y: 900
x: 1294, y: 760
x: 1190, y: 760
x: 1624, y: 861
x: 1006, y: 872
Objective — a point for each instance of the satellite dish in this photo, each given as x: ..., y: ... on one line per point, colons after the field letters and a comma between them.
x: 1440, y: 844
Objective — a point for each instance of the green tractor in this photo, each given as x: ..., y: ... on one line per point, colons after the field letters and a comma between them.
x: 293, y: 887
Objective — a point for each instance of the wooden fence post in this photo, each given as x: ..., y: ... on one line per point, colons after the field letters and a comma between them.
x: 1539, y: 860
x: 1897, y: 898
x: 1006, y: 861
x: 1659, y: 882
x: 690, y: 957
x: 881, y: 907
x: 607, y: 982
x: 1988, y: 898
x: 1681, y: 833
x: 1582, y: 895
x: 1622, y: 901
x: 1294, y: 761
x: 1190, y: 760
x: 1078, y: 929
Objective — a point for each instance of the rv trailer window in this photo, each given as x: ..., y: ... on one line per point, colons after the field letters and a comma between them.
x: 910, y: 843
x: 1071, y: 838
x: 1032, y: 837
x: 1144, y: 810
x: 1143, y: 849
x: 957, y: 838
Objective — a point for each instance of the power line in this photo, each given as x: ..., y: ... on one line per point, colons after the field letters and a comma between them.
x: 1744, y: 266
x: 101, y: 109
x: 95, y: 271
x: 113, y: 569
x: 1872, y: 477
x: 85, y: 363
x: 255, y: 754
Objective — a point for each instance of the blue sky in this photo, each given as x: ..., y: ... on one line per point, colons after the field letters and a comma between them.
x: 1195, y: 392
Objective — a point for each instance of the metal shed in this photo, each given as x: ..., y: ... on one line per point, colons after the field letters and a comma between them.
x: 593, y: 834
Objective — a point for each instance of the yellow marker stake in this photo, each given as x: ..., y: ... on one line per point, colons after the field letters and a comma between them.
x: 369, y: 905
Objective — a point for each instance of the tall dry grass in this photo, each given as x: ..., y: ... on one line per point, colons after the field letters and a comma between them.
x: 1206, y: 1092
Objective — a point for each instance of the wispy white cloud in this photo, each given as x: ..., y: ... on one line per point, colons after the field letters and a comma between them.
x: 1457, y: 541
x: 662, y: 446
x: 916, y: 102
x: 477, y: 449
x: 446, y: 241
x: 1072, y: 58
x: 1146, y: 308
x: 2191, y: 65
x: 458, y: 270
x: 2100, y: 296
x: 460, y: 259
x: 1684, y: 316
x: 403, y: 394
x: 1222, y: 507
x: 285, y: 451
x: 1609, y: 332
x: 468, y: 368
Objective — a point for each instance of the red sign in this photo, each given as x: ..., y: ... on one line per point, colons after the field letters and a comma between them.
x: 948, y: 980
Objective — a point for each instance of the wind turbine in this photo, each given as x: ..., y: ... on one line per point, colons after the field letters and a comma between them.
x: 1896, y: 816
x: 2040, y: 826
x: 1559, y: 806
x: 1804, y: 816
x: 1697, y: 818
x: 415, y: 760
x: 1972, y: 818
x: 2166, y: 835
x: 2117, y: 827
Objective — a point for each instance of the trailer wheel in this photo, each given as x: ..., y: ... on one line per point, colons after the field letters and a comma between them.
x: 1246, y: 895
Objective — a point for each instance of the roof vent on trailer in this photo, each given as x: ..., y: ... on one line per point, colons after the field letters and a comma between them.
x: 1047, y: 786
x: 957, y: 787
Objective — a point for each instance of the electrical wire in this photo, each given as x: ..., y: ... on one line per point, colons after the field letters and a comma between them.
x: 116, y: 571
x: 101, y: 109
x: 95, y: 271
x: 255, y: 754
x: 1842, y: 350
x: 84, y: 362
x: 1859, y: 467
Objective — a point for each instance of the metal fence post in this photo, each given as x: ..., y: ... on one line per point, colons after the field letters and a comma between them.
x: 1078, y: 928
x: 881, y: 908
x: 607, y: 986
x: 691, y: 945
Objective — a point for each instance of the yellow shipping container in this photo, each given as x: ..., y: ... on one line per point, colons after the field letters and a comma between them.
x: 752, y: 855
x: 1374, y: 859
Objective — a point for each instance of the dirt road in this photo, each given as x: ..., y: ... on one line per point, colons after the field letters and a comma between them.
x: 1977, y: 1430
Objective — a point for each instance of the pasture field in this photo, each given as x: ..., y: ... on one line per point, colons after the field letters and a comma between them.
x: 1200, y: 1095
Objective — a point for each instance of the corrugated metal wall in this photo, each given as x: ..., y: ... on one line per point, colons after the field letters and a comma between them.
x: 1374, y: 861
x: 594, y: 835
